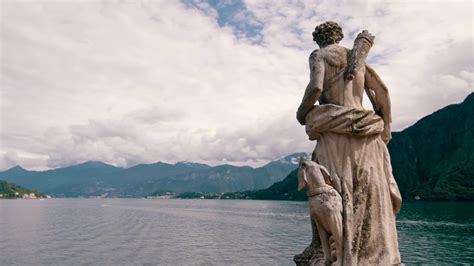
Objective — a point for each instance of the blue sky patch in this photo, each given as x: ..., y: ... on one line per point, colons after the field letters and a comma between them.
x: 234, y: 14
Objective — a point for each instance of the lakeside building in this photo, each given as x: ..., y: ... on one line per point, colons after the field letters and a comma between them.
x: 29, y: 196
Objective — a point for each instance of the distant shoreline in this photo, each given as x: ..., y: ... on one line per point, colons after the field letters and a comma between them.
x: 224, y: 199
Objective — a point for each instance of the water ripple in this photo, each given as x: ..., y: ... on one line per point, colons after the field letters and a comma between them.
x: 201, y: 232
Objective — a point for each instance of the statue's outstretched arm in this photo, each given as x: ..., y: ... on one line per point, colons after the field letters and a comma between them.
x: 315, y: 86
x: 378, y: 95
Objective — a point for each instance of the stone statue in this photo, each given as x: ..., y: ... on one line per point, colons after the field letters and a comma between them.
x: 351, y: 145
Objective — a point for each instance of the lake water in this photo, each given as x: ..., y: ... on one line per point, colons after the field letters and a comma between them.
x: 216, y: 232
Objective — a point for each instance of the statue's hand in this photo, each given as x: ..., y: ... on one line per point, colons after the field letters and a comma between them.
x: 301, y: 116
x: 387, y: 133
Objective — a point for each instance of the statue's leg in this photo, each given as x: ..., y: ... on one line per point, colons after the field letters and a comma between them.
x: 324, y: 236
x: 336, y: 230
x: 315, y: 241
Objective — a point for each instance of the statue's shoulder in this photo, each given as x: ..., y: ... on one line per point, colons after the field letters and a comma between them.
x: 316, y: 54
x: 314, y: 57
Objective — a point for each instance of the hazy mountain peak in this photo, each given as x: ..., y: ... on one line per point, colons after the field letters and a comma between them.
x: 16, y: 169
x: 161, y: 163
x: 93, y: 164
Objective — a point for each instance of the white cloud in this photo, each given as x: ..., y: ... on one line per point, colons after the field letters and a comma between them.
x: 131, y: 82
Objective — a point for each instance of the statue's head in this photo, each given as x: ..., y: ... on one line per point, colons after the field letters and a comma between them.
x: 327, y: 33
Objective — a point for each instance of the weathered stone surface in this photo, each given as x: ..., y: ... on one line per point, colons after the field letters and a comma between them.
x: 325, y: 207
x: 351, y: 145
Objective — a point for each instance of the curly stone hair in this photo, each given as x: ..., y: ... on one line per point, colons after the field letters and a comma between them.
x: 327, y: 33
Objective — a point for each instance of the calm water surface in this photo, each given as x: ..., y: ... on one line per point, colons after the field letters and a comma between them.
x: 217, y: 232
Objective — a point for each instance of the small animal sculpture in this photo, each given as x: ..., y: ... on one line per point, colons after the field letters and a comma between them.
x: 325, y: 205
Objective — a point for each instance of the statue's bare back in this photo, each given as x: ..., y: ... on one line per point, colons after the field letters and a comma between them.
x: 335, y: 59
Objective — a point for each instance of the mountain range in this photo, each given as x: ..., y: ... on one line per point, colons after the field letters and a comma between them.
x: 434, y: 158
x: 431, y: 160
x: 99, y: 179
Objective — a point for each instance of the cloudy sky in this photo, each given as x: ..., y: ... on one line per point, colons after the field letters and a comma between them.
x: 128, y: 82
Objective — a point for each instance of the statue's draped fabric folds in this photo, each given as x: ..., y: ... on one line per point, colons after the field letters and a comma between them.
x: 351, y: 145
x: 360, y: 167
